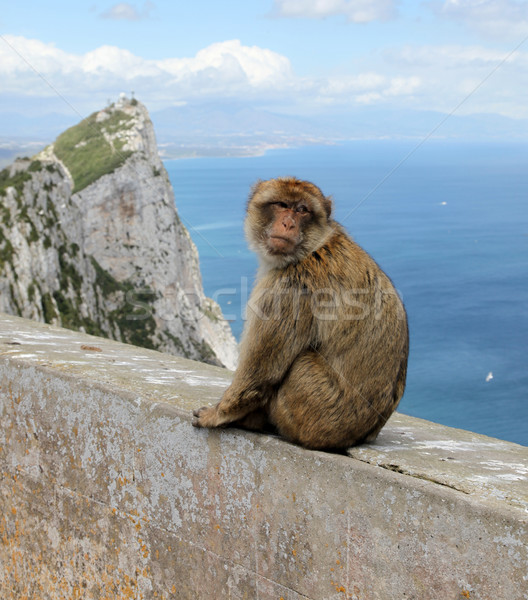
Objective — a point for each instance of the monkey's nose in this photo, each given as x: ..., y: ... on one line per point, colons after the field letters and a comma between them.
x: 288, y: 223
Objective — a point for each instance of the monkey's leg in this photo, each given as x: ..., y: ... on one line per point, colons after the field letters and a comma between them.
x: 233, y: 407
x: 390, y: 406
x: 255, y: 421
x: 316, y: 408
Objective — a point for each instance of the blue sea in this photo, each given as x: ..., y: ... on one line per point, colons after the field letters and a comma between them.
x: 447, y: 221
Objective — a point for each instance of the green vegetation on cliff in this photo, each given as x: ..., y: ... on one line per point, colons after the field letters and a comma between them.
x: 93, y: 148
x: 16, y: 181
x: 133, y: 315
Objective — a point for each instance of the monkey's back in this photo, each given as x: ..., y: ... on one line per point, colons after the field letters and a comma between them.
x: 359, y: 325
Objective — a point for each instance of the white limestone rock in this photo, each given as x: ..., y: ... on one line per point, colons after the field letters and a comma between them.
x: 90, y: 239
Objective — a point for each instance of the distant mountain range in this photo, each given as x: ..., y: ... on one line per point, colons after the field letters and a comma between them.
x: 226, y: 129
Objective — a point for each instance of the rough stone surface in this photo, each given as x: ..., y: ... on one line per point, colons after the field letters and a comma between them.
x: 106, y: 491
x: 113, y: 258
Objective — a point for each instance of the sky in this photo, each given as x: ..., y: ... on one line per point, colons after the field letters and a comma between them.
x: 293, y: 57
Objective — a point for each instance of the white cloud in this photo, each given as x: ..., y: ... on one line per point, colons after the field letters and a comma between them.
x: 506, y: 19
x: 224, y: 69
x: 259, y: 66
x: 454, y: 56
x: 354, y: 84
x: 356, y: 11
x: 412, y: 77
x: 403, y: 86
x: 18, y: 54
x: 124, y: 11
x: 366, y: 88
x: 484, y: 80
x: 112, y: 61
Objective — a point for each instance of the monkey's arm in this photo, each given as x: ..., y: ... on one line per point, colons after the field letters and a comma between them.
x: 269, y: 347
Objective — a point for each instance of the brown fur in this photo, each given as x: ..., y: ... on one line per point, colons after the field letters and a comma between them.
x: 324, y: 351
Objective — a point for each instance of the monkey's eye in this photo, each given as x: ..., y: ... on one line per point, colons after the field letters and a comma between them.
x: 302, y: 209
x: 279, y: 204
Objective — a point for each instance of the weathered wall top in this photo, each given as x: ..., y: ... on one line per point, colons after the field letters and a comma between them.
x: 147, y: 375
x: 101, y: 471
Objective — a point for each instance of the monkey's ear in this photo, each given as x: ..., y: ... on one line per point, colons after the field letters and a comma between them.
x: 328, y: 205
x: 255, y: 188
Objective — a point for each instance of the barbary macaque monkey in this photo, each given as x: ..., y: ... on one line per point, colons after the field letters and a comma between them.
x: 323, y: 357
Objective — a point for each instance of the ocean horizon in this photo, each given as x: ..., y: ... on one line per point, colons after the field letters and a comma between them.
x: 446, y: 220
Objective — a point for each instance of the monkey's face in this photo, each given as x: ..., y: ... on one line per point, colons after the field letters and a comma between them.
x: 287, y: 222
x: 287, y: 219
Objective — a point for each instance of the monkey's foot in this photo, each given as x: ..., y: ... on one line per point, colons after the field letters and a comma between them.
x: 205, y: 417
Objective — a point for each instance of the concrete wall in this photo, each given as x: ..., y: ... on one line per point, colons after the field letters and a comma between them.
x: 106, y: 492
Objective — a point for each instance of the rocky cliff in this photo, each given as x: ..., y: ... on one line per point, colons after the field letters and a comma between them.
x: 90, y: 239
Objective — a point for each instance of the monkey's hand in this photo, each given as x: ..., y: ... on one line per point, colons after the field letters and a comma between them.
x: 207, y: 416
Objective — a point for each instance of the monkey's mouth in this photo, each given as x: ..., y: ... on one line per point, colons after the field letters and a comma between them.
x: 279, y: 245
